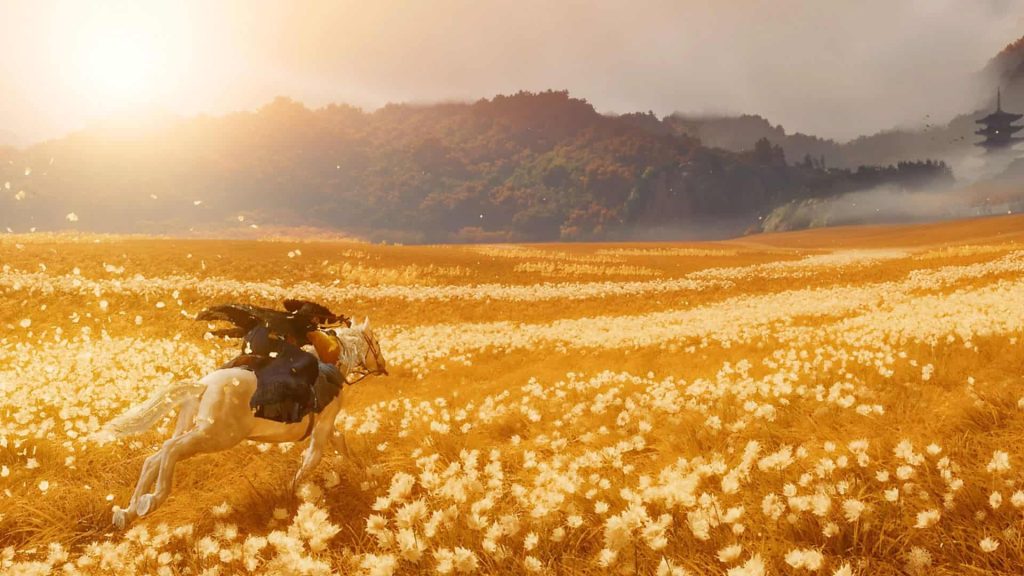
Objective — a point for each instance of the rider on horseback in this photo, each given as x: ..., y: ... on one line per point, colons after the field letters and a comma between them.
x: 291, y: 382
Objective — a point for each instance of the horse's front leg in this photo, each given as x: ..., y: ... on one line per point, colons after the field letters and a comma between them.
x: 322, y: 434
x: 310, y: 458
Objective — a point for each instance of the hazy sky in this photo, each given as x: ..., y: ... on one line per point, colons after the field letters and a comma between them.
x: 835, y: 68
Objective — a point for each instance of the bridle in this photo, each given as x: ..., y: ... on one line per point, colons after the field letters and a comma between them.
x: 372, y: 347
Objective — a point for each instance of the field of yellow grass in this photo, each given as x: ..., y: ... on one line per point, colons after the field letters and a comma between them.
x: 843, y: 401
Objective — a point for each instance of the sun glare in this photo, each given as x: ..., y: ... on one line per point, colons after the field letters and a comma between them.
x: 123, y: 59
x: 119, y: 69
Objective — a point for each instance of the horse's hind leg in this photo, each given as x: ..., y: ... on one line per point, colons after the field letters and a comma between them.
x: 151, y: 466
x: 150, y: 471
x: 203, y: 439
x: 186, y: 416
x: 125, y: 516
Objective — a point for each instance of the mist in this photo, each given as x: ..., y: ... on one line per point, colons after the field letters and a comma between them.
x: 988, y: 185
x: 834, y: 69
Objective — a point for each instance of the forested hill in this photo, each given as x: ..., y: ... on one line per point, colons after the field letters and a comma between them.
x: 523, y: 167
x: 942, y: 141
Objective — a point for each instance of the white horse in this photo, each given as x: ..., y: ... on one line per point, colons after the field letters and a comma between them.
x: 214, y: 415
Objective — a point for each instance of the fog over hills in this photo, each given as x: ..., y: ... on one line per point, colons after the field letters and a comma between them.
x: 951, y: 140
x: 529, y: 166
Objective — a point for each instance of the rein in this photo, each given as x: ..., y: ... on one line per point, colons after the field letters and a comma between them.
x: 363, y: 372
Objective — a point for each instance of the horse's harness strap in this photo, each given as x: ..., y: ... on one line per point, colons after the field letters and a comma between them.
x: 309, y: 428
x: 313, y: 401
x: 361, y: 377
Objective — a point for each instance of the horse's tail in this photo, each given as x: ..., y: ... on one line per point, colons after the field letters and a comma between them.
x: 142, y: 417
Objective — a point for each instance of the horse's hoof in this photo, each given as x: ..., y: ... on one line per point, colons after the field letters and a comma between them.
x: 145, y: 502
x: 119, y: 518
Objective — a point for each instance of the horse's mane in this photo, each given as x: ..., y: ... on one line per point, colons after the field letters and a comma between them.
x: 350, y: 338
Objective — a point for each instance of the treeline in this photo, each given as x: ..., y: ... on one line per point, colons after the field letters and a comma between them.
x: 530, y: 166
x: 951, y: 140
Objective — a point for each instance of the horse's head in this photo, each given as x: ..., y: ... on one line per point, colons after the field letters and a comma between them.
x: 356, y: 347
x: 373, y: 360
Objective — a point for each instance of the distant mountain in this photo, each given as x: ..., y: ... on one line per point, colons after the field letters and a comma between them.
x: 738, y: 133
x: 1007, y: 69
x: 529, y: 166
x: 947, y: 142
x: 950, y: 141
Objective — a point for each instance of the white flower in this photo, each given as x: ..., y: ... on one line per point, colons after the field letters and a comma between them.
x: 530, y: 541
x: 207, y: 546
x: 375, y: 565
x: 729, y: 553
x: 606, y: 557
x: 772, y: 506
x: 1017, y: 499
x: 927, y: 518
x: 995, y: 500
x: 806, y: 558
x: 465, y: 561
x: 918, y: 559
x: 312, y: 524
x: 1000, y: 462
x: 752, y: 567
x: 220, y: 511
x: 410, y: 546
x: 905, y: 472
x: 843, y: 570
x: 988, y: 545
x: 852, y: 509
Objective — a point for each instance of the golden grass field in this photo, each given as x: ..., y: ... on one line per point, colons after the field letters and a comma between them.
x: 841, y: 401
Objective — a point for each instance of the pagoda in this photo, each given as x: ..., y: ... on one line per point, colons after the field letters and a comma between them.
x: 999, y: 129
